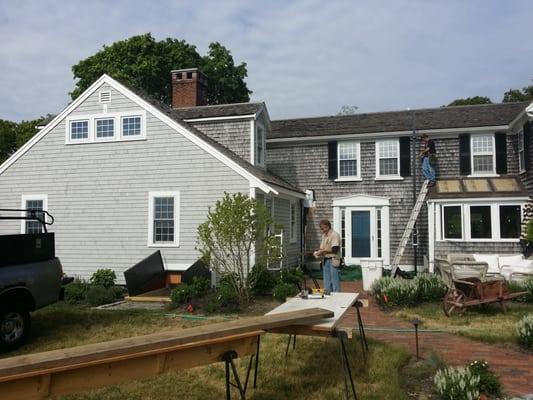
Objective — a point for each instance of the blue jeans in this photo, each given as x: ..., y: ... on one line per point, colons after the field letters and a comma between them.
x: 332, y: 281
x: 428, y: 170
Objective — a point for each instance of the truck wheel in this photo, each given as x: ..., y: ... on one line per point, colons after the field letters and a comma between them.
x: 14, y: 326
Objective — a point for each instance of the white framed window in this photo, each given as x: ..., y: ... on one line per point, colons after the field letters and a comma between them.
x: 452, y: 222
x: 259, y: 144
x: 481, y: 221
x: 483, y: 154
x: 163, y: 219
x: 105, y: 128
x: 388, y: 158
x: 119, y: 126
x: 293, y: 221
x: 33, y: 202
x: 79, y: 130
x: 521, y: 151
x: 131, y: 126
x: 348, y: 160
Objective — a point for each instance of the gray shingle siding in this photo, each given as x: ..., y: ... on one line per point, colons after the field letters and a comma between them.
x: 235, y: 135
x: 443, y: 248
x: 98, y: 192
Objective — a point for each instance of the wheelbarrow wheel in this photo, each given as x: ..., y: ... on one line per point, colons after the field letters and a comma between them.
x: 453, y: 303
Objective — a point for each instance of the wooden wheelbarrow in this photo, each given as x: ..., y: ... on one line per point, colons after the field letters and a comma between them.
x: 468, y: 292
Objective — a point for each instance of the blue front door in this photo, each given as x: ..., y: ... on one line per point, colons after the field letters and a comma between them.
x: 361, y: 237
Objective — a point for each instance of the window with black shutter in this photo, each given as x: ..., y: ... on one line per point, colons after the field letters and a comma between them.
x: 405, y: 156
x: 464, y: 154
x: 332, y: 160
x: 501, y: 153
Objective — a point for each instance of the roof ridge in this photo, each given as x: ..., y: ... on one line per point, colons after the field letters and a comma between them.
x: 220, y: 105
x: 404, y: 111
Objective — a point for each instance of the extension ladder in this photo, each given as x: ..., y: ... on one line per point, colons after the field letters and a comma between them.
x: 410, y: 225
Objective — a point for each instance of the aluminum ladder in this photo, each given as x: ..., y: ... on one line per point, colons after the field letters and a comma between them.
x: 410, y: 225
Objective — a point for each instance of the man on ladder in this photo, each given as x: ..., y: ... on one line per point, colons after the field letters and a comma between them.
x: 429, y: 158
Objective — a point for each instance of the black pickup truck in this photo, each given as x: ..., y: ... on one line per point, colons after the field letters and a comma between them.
x: 30, y: 276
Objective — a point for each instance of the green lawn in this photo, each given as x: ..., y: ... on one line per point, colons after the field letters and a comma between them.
x: 487, y: 324
x: 312, y: 371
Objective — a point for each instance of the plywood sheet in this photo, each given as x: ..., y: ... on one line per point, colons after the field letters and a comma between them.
x: 505, y: 185
x: 449, y: 186
x: 338, y: 303
x: 477, y: 185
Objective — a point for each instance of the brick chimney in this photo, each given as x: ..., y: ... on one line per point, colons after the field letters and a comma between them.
x: 189, y: 88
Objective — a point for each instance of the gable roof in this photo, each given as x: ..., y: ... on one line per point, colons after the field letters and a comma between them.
x: 393, y: 121
x: 221, y: 110
x: 255, y: 175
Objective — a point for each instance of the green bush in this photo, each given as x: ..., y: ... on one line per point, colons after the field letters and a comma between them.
x: 489, y: 382
x: 524, y: 329
x: 282, y: 290
x: 391, y: 291
x: 103, y: 277
x: 430, y: 287
x: 261, y: 281
x: 525, y: 286
x: 98, y: 295
x: 200, y: 286
x: 226, y: 294
x: 181, y: 293
x: 457, y: 384
x: 76, y: 292
x: 294, y: 276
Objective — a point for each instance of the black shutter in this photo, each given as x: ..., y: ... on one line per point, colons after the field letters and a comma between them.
x: 501, y: 153
x: 527, y: 132
x: 464, y: 154
x: 405, y: 156
x: 332, y: 160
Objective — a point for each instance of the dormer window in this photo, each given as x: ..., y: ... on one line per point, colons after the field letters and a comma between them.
x: 483, y: 154
x: 259, y: 144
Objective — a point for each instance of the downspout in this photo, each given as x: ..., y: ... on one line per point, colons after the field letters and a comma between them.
x: 414, y: 235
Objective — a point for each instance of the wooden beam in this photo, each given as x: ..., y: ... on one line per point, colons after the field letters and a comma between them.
x: 60, y: 381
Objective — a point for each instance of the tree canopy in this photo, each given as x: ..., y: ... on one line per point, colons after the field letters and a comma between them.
x: 470, y: 101
x: 513, y: 95
x: 144, y: 63
x: 13, y: 135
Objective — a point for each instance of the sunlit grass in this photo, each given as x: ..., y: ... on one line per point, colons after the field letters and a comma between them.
x: 488, y: 324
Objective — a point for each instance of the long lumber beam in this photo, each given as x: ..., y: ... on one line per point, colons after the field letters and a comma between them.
x: 44, y: 372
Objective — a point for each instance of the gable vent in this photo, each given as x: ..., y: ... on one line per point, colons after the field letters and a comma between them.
x: 105, y: 97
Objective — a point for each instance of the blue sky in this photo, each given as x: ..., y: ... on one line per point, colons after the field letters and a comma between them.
x: 305, y: 57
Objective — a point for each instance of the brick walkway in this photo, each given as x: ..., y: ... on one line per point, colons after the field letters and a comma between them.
x: 514, y: 368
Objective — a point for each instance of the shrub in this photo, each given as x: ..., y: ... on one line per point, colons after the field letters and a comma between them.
x: 98, y: 295
x: 457, y: 384
x: 524, y: 329
x: 395, y: 292
x: 261, y: 280
x: 181, y: 293
x: 76, y: 292
x: 103, y: 277
x: 200, y: 286
x: 294, y: 276
x: 430, y: 287
x: 525, y: 286
x: 402, y: 292
x: 282, y: 290
x: 227, y: 296
x: 488, y: 381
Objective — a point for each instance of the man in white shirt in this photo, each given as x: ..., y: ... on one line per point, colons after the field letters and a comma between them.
x: 329, y: 249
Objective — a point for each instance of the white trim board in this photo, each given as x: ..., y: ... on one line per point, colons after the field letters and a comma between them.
x: 254, y: 181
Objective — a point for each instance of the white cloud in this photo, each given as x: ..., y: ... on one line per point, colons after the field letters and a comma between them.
x: 305, y: 57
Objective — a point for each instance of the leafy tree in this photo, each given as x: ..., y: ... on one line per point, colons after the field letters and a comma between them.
x: 470, y: 101
x: 144, y: 63
x: 227, y: 239
x: 13, y: 135
x: 348, y: 110
x: 513, y: 95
